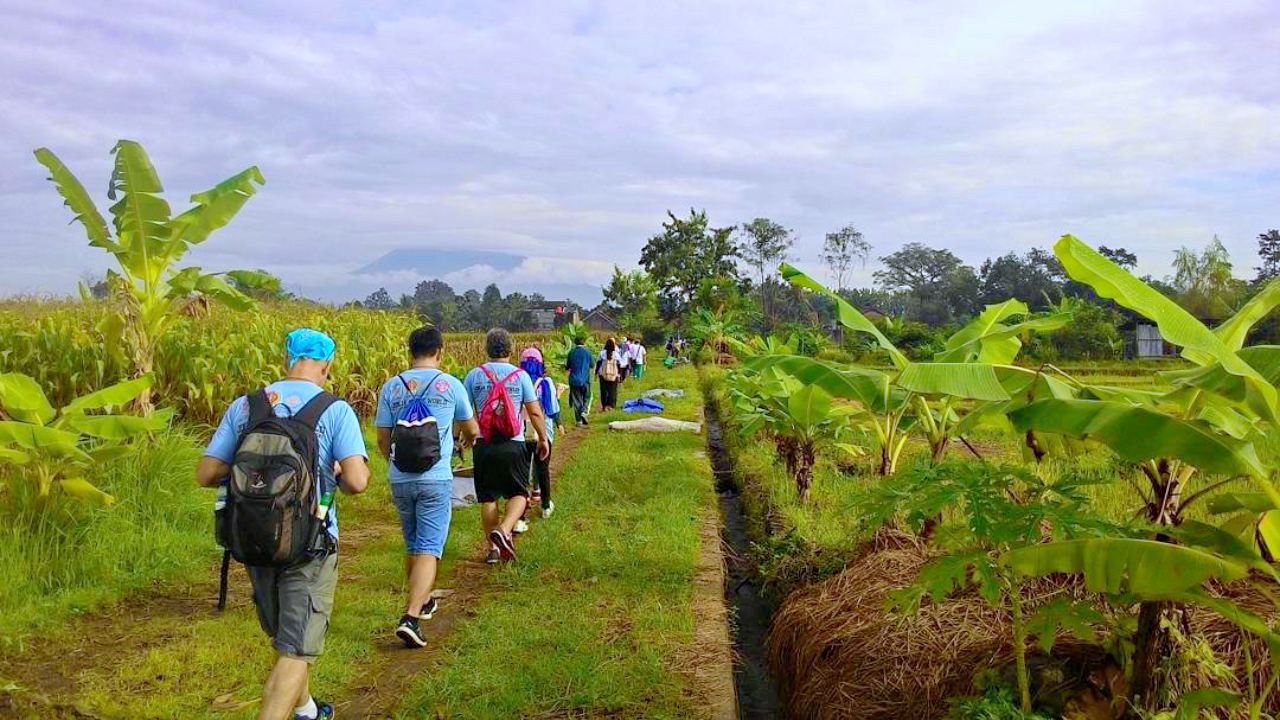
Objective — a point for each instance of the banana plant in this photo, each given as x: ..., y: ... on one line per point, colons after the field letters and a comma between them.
x: 971, y: 376
x: 716, y: 330
x: 1206, y: 424
x: 799, y: 417
x: 148, y: 244
x: 62, y: 448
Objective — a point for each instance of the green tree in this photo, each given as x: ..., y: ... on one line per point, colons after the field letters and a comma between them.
x: 1269, y: 254
x: 379, y: 299
x: 1119, y: 256
x: 149, y: 287
x: 1026, y: 278
x: 436, y: 301
x: 1204, y: 281
x: 633, y: 296
x: 840, y: 249
x: 943, y: 289
x: 687, y: 252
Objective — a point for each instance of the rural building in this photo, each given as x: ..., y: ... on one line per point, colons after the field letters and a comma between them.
x: 547, y: 314
x: 1148, y: 343
x: 600, y: 320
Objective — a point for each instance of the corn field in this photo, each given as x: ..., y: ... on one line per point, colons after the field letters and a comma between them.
x: 215, y: 354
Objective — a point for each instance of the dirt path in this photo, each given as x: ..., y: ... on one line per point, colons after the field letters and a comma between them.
x: 47, y: 673
x: 377, y: 694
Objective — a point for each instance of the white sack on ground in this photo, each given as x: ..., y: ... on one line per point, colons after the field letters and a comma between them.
x: 655, y: 424
x: 662, y: 392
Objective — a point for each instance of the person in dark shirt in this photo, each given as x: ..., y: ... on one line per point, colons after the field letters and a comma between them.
x: 579, y: 367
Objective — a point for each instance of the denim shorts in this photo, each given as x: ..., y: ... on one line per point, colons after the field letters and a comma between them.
x: 425, y: 509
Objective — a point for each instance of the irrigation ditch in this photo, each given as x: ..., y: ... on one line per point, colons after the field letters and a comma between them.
x: 756, y: 690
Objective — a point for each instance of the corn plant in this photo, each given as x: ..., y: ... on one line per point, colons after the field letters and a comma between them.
x: 149, y: 242
x: 62, y: 448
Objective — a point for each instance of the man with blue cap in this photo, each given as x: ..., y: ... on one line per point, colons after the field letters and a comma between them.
x: 294, y: 600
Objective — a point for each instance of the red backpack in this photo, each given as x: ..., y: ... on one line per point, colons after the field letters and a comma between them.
x: 499, y: 418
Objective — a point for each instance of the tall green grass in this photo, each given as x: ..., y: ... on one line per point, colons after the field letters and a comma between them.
x: 60, y: 557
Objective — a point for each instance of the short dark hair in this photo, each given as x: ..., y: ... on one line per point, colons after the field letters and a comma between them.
x: 425, y: 341
x: 579, y: 340
x: 497, y: 343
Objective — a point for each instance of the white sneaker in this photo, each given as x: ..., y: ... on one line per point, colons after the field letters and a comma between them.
x: 547, y: 509
x: 521, y: 527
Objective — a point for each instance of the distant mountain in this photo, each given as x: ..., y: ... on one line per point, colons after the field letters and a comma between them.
x: 435, y: 263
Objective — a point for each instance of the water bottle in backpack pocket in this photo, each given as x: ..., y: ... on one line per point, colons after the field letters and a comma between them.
x: 415, y: 438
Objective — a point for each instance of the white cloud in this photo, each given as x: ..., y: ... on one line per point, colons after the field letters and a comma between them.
x: 563, y: 131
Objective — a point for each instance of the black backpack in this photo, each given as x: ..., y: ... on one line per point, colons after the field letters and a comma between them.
x: 269, y: 519
x: 415, y: 438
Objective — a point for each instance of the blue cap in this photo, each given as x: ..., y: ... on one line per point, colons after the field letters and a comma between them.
x: 310, y: 344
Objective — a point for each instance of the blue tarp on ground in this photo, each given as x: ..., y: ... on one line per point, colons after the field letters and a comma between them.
x: 643, y: 405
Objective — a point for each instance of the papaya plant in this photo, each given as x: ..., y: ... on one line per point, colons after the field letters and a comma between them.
x: 63, y: 448
x: 149, y: 241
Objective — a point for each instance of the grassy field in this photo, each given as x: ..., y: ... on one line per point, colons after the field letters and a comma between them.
x: 595, y: 619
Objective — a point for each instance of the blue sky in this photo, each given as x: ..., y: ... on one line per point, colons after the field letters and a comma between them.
x: 563, y: 131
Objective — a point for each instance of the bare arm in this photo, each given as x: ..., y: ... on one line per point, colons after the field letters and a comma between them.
x: 355, y: 474
x: 539, y: 420
x: 468, y: 431
x: 211, y: 471
x: 384, y: 441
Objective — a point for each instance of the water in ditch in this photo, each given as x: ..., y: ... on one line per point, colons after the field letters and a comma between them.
x: 756, y: 690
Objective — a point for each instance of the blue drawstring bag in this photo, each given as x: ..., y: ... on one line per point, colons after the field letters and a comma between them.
x: 415, y: 439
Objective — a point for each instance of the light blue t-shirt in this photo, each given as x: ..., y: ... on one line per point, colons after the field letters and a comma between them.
x: 448, y: 402
x: 337, y: 432
x: 547, y: 386
x: 520, y: 387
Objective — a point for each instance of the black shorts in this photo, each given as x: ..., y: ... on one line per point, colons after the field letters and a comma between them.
x: 501, y: 470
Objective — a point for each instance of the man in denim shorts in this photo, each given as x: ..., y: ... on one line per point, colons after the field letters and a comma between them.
x: 424, y: 499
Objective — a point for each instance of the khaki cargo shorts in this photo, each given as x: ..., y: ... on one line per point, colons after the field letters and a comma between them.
x: 294, y: 604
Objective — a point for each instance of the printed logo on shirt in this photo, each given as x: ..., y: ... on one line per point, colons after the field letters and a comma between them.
x: 413, y: 385
x: 441, y: 385
x: 273, y: 397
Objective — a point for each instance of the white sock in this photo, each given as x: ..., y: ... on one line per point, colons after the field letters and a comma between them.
x: 308, y: 710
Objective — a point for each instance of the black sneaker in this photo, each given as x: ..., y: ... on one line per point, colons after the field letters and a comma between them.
x: 493, y: 557
x: 428, y: 609
x: 410, y: 633
x: 502, y: 541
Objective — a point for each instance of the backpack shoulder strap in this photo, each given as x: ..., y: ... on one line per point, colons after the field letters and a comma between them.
x: 404, y: 383
x: 512, y: 374
x: 489, y: 374
x: 259, y: 407
x: 310, y: 413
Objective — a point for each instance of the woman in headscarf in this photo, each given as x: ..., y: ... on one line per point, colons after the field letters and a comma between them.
x: 545, y: 388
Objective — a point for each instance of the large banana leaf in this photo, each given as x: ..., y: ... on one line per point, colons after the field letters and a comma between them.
x: 191, y: 280
x: 846, y: 313
x: 809, y: 406
x: 22, y: 399
x: 1215, y: 379
x: 973, y: 381
x: 871, y: 388
x: 116, y: 395
x: 988, y: 339
x: 1234, y: 331
x: 82, y: 489
x: 1146, y: 568
x: 1198, y: 343
x: 216, y: 206
x: 58, y: 443
x: 140, y: 215
x: 118, y: 427
x: 1138, y: 433
x: 77, y: 198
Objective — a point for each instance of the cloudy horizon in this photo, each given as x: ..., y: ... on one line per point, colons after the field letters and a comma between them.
x: 562, y: 132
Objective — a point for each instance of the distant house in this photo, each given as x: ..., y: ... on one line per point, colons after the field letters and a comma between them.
x: 600, y: 320
x: 546, y: 313
x: 1148, y: 343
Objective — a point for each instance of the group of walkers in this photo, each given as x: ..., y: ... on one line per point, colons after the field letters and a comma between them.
x: 612, y: 366
x: 281, y: 454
